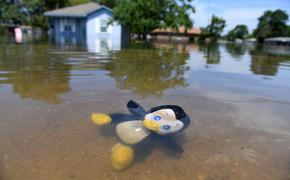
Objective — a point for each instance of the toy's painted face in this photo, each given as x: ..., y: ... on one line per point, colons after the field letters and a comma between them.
x: 162, y: 122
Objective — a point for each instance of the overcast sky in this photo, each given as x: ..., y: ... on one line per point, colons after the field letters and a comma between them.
x: 235, y: 11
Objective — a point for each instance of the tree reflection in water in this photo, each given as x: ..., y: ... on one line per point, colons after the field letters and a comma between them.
x: 33, y: 73
x: 211, y: 52
x: 265, y: 62
x: 148, y: 72
x: 236, y: 50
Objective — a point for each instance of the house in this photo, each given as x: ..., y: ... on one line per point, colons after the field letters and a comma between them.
x: 278, y: 41
x: 182, y: 35
x: 250, y: 40
x: 85, y: 24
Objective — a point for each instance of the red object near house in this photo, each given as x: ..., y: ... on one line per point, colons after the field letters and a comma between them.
x: 18, y: 35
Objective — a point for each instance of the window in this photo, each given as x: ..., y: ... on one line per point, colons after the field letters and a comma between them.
x: 67, y: 25
x: 67, y: 28
x: 104, y: 25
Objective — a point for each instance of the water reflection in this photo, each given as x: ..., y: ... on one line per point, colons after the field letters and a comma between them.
x: 44, y: 72
x: 211, y: 53
x: 33, y: 73
x: 94, y: 44
x: 148, y: 72
x: 236, y: 50
x: 265, y: 63
x: 103, y: 45
x: 180, y: 47
x: 263, y: 60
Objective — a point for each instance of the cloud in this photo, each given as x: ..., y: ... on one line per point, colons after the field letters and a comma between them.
x: 235, y: 12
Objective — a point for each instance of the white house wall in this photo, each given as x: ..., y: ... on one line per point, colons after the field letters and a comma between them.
x: 97, y: 40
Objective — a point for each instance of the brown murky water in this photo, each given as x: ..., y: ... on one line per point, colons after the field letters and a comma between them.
x: 238, y: 98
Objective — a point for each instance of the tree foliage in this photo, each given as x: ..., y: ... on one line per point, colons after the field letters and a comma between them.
x: 76, y: 2
x: 9, y: 13
x: 214, y: 29
x: 239, y: 32
x: 108, y: 3
x: 30, y: 12
x: 33, y: 13
x: 55, y: 4
x: 144, y: 16
x: 272, y: 24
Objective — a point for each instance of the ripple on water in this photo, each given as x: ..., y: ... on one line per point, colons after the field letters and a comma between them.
x: 4, y: 75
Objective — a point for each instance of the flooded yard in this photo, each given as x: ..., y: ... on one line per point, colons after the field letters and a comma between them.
x: 237, y: 96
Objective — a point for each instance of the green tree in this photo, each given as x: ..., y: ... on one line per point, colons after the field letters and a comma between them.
x: 55, y: 4
x: 76, y: 2
x: 10, y: 13
x: 33, y: 13
x: 271, y: 24
x: 214, y: 29
x: 108, y: 3
x: 240, y: 32
x: 142, y: 17
x: 30, y: 12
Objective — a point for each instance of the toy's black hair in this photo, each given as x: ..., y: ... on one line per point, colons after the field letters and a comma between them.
x: 178, y: 111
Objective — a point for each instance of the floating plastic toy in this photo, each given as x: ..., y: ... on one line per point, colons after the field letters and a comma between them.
x: 157, y: 124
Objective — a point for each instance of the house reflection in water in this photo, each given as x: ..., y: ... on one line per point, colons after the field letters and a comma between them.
x: 86, y: 24
x: 103, y: 45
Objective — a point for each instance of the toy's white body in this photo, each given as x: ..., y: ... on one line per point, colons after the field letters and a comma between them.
x: 132, y: 132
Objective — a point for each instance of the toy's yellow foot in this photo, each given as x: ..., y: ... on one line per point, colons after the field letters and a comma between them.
x: 122, y: 156
x: 100, y: 119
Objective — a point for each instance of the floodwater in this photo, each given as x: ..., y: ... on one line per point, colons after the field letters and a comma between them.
x: 237, y: 96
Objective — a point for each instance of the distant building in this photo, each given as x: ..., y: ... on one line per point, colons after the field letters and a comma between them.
x: 250, y: 40
x: 85, y: 24
x: 183, y: 35
x: 278, y: 41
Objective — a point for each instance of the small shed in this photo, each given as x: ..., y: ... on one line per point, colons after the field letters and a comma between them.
x: 85, y: 24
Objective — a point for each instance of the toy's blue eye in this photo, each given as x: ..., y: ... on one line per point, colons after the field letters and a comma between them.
x: 165, y: 127
x: 156, y: 118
